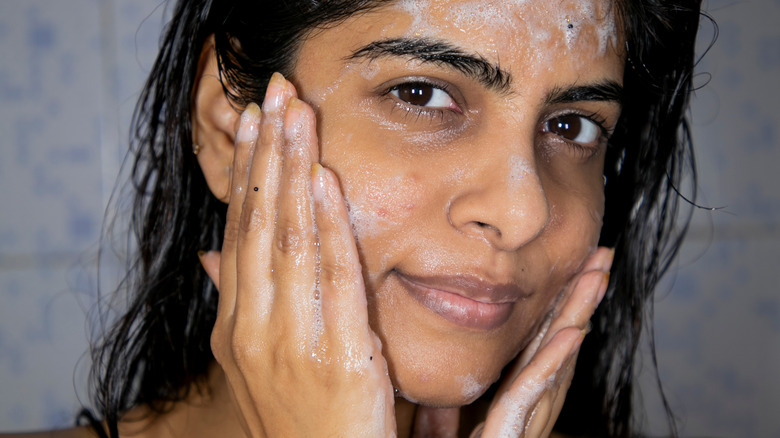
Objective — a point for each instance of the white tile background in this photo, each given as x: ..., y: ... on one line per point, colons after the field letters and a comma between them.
x: 70, y: 72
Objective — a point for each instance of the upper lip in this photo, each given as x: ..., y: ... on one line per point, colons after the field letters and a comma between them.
x: 470, y: 286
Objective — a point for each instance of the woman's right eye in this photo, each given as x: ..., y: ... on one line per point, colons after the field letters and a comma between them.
x: 424, y: 95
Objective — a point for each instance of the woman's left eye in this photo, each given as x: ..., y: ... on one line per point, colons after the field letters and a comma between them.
x: 424, y: 95
x: 576, y: 129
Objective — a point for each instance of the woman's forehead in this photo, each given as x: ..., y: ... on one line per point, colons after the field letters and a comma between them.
x: 578, y: 40
x: 574, y: 26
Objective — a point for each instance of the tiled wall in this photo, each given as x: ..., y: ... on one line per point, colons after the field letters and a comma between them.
x: 70, y: 72
x: 718, y: 318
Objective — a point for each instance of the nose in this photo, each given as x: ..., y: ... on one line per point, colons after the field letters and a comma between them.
x: 503, y: 203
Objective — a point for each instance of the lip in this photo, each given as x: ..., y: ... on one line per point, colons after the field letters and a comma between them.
x: 463, y: 300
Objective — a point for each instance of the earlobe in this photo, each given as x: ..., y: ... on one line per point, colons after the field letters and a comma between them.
x: 214, y: 123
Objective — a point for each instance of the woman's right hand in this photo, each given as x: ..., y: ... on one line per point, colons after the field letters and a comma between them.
x: 292, y: 332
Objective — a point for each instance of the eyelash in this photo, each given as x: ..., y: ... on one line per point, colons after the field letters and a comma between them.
x: 411, y: 110
x: 431, y: 113
x: 581, y: 150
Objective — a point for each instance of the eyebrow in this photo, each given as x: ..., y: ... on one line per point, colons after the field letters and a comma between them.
x: 605, y: 91
x: 441, y: 53
x: 477, y: 67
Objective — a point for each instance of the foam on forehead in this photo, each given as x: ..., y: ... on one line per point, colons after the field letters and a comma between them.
x: 538, y: 24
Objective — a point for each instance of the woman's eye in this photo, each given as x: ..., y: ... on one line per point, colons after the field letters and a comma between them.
x: 423, y: 95
x: 575, y: 128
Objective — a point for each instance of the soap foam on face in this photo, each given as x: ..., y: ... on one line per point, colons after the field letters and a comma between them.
x: 472, y: 388
x: 521, y: 402
x: 564, y: 29
x: 380, y: 205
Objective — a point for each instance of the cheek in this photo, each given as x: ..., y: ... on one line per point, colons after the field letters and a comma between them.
x: 380, y: 204
x: 380, y: 191
x: 572, y: 232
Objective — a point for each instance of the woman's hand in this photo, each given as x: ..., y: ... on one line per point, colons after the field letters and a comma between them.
x: 292, y: 332
x: 532, y: 393
x: 531, y: 396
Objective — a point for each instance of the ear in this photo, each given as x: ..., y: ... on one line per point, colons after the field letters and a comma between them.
x: 214, y: 124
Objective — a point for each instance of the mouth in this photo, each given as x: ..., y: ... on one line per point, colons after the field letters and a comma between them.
x: 462, y: 300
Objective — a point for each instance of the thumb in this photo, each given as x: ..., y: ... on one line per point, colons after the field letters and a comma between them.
x: 210, y: 261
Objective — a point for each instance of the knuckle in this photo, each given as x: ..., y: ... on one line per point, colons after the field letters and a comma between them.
x: 244, y: 352
x: 231, y: 231
x: 330, y: 271
x: 253, y: 219
x: 340, y: 272
x: 289, y: 237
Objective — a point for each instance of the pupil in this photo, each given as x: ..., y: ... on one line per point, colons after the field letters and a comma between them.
x: 418, y: 95
x: 567, y: 126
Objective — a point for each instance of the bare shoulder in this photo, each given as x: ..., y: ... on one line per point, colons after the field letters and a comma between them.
x: 76, y: 432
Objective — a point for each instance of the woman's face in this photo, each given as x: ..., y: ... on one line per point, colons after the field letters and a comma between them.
x: 469, y: 140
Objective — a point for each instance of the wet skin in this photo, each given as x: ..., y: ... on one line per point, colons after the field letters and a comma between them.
x: 471, y: 205
x: 419, y: 205
x: 460, y: 201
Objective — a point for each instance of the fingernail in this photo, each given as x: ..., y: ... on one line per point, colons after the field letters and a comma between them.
x: 584, y: 332
x: 293, y: 123
x: 318, y: 182
x: 602, y: 288
x: 247, y: 129
x: 608, y: 260
x: 578, y: 342
x: 274, y: 94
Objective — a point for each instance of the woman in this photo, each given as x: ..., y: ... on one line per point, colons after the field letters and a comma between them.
x: 420, y: 208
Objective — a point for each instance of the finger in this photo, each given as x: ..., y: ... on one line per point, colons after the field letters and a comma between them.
x: 258, y: 215
x: 221, y: 337
x: 600, y: 260
x: 210, y: 261
x: 530, y: 350
x: 542, y: 418
x: 583, y: 294
x: 565, y: 376
x: 344, y: 306
x: 510, y: 414
x: 228, y: 340
x: 244, y: 146
x: 584, y: 299
x: 572, y: 309
x: 294, y: 249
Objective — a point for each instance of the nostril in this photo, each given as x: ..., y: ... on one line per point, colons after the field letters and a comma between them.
x: 487, y: 226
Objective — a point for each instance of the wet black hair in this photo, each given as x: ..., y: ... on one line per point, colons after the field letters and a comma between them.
x: 158, y: 350
x: 649, y: 154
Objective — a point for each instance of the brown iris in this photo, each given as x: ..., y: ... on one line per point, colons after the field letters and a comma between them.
x: 415, y: 94
x: 568, y: 126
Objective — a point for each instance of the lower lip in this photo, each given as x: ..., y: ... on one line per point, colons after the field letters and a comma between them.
x: 458, y: 309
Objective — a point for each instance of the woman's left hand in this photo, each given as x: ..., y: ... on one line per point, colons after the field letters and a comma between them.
x: 532, y: 393
x: 531, y: 396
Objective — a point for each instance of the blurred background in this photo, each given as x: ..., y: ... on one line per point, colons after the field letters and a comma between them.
x: 70, y: 72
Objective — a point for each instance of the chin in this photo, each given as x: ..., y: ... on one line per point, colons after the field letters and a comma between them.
x: 445, y: 388
x: 439, y: 400
x: 436, y: 362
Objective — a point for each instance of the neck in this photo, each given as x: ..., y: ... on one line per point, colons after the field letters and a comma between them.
x: 404, y: 417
